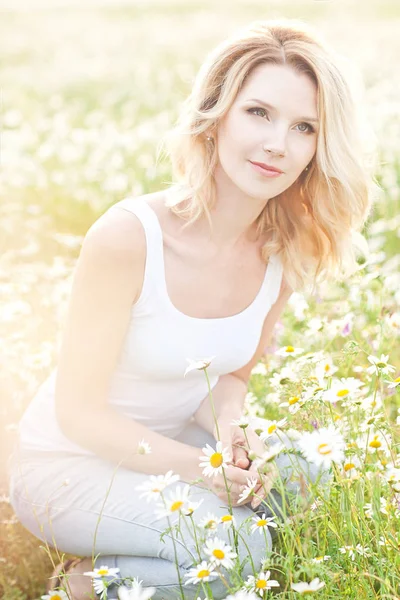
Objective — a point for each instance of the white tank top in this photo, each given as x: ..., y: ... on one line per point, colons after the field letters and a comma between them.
x: 148, y: 383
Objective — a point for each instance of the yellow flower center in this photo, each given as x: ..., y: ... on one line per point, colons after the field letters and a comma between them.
x: 261, y: 584
x: 102, y: 571
x: 226, y: 518
x: 381, y: 365
x: 293, y: 400
x: 319, y: 558
x: 218, y: 554
x: 337, y: 418
x: 210, y: 525
x: 327, y: 368
x: 55, y: 597
x: 203, y: 573
x: 289, y: 349
x: 176, y: 505
x: 349, y: 466
x: 156, y: 489
x: 384, y: 462
x: 342, y: 393
x: 261, y: 523
x: 352, y: 445
x: 397, y: 380
x: 271, y: 428
x: 216, y: 460
x: 324, y: 449
x: 375, y: 443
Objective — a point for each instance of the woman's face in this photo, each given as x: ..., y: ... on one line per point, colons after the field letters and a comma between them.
x: 286, y: 128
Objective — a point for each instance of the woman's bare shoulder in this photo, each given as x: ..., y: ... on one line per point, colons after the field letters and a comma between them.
x: 121, y: 230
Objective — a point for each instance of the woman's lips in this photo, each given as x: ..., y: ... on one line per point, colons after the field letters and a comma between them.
x: 265, y: 172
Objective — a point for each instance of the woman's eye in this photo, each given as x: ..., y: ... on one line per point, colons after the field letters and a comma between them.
x: 257, y: 109
x: 309, y: 128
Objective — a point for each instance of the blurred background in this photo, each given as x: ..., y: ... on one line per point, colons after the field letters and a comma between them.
x: 87, y: 92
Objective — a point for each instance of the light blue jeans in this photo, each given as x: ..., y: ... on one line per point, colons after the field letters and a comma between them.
x: 128, y: 535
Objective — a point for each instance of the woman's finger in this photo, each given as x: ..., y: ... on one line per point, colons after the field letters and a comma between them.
x: 240, y: 457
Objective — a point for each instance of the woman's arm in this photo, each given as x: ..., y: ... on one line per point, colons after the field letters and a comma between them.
x: 228, y: 396
x: 107, y: 280
x: 230, y: 392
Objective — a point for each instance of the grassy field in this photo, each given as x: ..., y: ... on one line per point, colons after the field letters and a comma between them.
x: 86, y: 96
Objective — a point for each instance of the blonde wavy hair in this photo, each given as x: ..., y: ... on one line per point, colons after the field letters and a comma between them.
x: 313, y: 224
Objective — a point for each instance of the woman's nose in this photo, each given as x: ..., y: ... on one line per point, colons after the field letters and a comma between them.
x: 278, y: 145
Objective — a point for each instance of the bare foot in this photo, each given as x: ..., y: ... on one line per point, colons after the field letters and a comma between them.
x: 77, y: 585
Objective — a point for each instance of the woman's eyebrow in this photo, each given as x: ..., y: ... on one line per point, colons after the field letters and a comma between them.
x: 313, y: 119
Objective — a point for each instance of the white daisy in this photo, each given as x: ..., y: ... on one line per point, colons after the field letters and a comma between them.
x: 341, y: 389
x: 263, y: 523
x: 289, y: 351
x: 375, y: 441
x: 243, y: 422
x: 348, y: 550
x: 325, y: 368
x: 144, y: 448
x: 220, y: 553
x: 227, y: 521
x: 262, y: 582
x: 293, y: 404
x: 319, y: 559
x: 270, y: 427
x: 315, y: 325
x: 198, y: 365
x: 308, y: 588
x: 282, y: 377
x: 156, y: 484
x: 209, y: 522
x: 380, y: 365
x: 247, y: 489
x: 55, y: 595
x: 102, y: 571
x: 136, y: 592
x: 269, y: 455
x: 323, y: 446
x: 363, y: 550
x: 384, y: 541
x: 298, y: 304
x: 202, y: 572
x: 191, y: 506
x: 175, y: 502
x: 351, y: 466
x: 100, y: 587
x: 259, y: 369
x: 214, y: 460
x: 394, y: 383
x: 392, y: 476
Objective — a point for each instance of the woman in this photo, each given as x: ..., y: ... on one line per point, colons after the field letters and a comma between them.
x: 269, y: 191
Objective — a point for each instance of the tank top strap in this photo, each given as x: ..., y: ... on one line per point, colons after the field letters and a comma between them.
x: 154, y: 268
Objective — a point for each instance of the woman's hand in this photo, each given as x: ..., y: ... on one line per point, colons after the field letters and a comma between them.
x: 244, y: 446
x: 236, y: 479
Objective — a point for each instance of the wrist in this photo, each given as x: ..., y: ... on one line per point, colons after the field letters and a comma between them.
x: 191, y: 469
x: 228, y: 415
